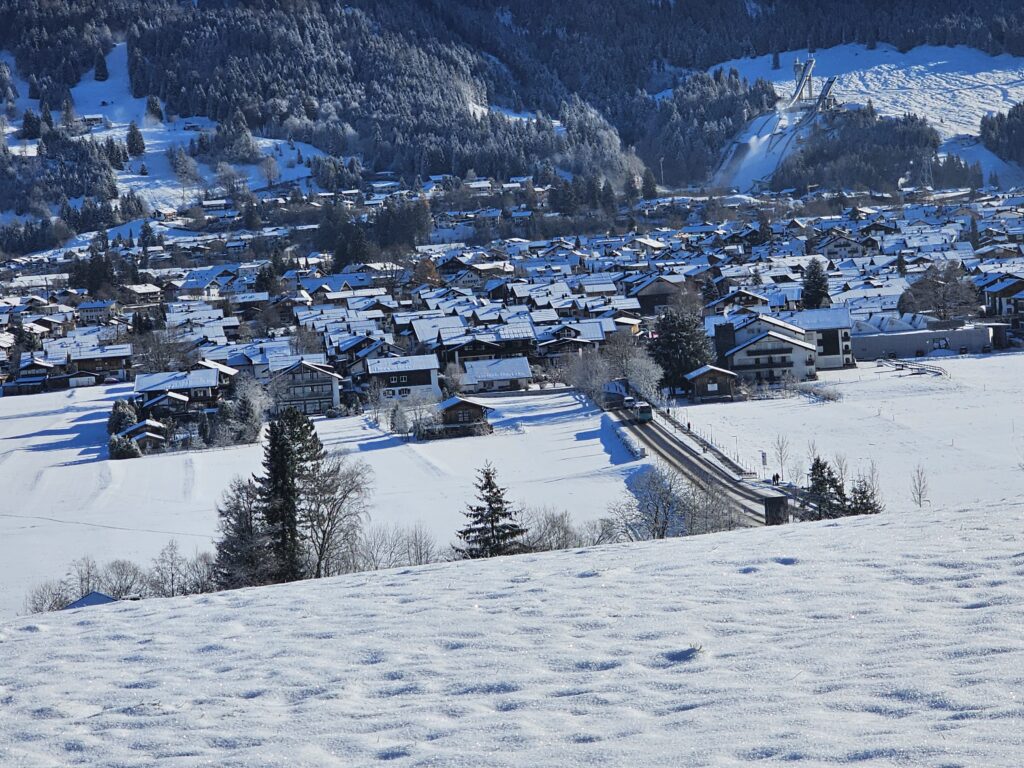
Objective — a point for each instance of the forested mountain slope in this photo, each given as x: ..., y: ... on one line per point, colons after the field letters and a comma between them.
x: 406, y: 83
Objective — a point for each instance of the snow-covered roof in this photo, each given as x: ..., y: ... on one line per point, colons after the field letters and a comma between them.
x: 401, y: 364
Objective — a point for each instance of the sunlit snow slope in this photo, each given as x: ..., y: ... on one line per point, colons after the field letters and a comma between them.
x: 893, y: 640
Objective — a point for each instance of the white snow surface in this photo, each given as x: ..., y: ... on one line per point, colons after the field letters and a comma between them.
x: 953, y: 87
x: 62, y: 497
x: 966, y: 431
x: 888, y: 640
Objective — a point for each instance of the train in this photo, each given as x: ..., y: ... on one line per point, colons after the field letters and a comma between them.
x: 639, y: 410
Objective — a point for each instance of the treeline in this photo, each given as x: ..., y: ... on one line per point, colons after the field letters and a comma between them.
x: 859, y: 150
x: 1003, y: 133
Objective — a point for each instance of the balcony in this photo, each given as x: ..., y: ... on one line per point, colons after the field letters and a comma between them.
x: 767, y: 366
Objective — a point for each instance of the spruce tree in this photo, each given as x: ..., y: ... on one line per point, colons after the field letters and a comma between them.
x: 864, y: 497
x: 101, y: 74
x: 241, y: 549
x: 815, y: 285
x: 279, y: 504
x: 608, y: 198
x: 825, y: 496
x: 31, y: 125
x: 681, y: 345
x: 492, y: 528
x: 650, y: 185
x: 136, y: 144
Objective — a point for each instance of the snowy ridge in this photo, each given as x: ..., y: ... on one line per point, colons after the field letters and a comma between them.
x: 892, y: 640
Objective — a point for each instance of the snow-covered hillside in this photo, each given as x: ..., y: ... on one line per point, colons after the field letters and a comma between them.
x: 892, y: 640
x: 967, y: 431
x: 113, y: 100
x: 952, y: 87
x: 62, y: 498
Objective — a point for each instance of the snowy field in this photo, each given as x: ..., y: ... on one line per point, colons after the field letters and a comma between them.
x: 952, y: 87
x: 967, y: 431
x: 884, y: 641
x: 63, y: 499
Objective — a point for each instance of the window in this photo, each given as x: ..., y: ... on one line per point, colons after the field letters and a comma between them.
x: 403, y: 379
x: 403, y: 392
x: 392, y: 379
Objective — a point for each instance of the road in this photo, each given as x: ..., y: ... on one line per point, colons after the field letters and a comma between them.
x: 748, y: 498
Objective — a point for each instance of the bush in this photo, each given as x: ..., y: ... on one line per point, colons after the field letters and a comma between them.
x: 123, y: 448
x: 122, y: 416
x: 332, y: 413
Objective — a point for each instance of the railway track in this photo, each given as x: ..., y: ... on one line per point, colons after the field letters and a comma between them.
x: 692, y: 464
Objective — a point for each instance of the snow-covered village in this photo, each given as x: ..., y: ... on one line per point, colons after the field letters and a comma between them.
x: 543, y: 429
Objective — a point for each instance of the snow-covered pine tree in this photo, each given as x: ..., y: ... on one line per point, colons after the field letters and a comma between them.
x: 825, y: 496
x: 681, y: 345
x: 492, y: 529
x: 101, y: 72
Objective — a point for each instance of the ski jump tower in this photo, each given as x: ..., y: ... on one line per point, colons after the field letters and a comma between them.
x: 803, y: 75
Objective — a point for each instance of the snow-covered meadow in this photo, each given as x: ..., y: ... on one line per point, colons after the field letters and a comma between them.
x: 952, y: 87
x: 62, y: 498
x: 889, y: 640
x: 966, y: 431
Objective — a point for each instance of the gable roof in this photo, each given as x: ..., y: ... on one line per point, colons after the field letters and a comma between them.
x: 772, y: 335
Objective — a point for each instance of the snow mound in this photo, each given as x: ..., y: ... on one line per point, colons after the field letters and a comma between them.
x: 885, y: 640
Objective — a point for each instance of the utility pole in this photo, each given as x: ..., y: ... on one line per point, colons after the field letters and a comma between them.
x: 662, y: 161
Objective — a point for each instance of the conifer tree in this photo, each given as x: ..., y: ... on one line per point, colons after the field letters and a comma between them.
x: 825, y: 494
x: 101, y: 73
x: 681, y: 345
x: 864, y: 497
x: 650, y: 185
x: 31, y: 125
x: 492, y: 528
x: 136, y: 144
x: 815, y: 285
x: 241, y: 550
x: 279, y: 500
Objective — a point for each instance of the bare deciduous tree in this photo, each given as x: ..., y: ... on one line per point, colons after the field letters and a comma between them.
x: 167, y: 576
x: 781, y: 452
x: 270, y: 170
x: 333, y: 504
x: 919, y: 486
x: 654, y: 508
x: 123, y: 578
x: 49, y: 596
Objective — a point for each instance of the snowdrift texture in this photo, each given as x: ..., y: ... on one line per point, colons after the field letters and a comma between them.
x: 893, y: 640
